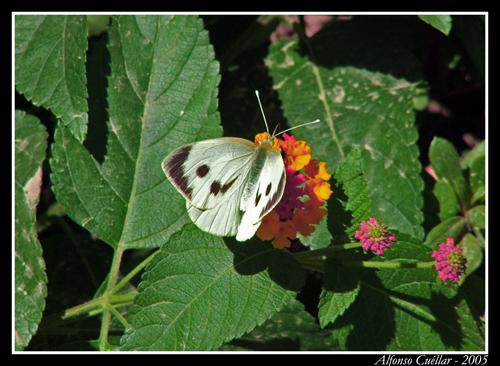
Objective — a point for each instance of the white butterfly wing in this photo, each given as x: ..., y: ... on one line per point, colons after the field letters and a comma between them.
x: 262, y: 193
x: 209, y: 172
x: 221, y: 220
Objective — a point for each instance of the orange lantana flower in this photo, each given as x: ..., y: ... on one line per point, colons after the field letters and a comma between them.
x: 297, y: 153
x: 279, y: 232
x: 306, y: 191
x: 317, y: 177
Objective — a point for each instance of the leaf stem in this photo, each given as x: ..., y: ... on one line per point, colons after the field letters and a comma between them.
x: 132, y: 273
x: 110, y: 296
x: 83, y: 308
x: 117, y: 315
x: 99, y: 311
x: 106, y: 315
x: 96, y: 305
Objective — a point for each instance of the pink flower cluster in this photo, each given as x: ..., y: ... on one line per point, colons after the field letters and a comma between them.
x: 374, y: 236
x: 450, y: 261
x: 290, y: 200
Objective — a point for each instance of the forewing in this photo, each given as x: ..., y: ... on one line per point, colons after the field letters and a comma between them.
x: 209, y: 172
x: 263, y: 191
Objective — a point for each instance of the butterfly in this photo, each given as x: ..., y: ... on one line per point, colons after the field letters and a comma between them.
x: 229, y: 183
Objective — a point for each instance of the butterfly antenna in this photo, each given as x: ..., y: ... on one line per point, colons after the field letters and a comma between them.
x: 262, y: 110
x: 275, y: 129
x: 294, y: 127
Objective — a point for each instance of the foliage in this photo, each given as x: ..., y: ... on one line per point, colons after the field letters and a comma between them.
x: 30, y: 276
x: 443, y: 23
x: 123, y: 268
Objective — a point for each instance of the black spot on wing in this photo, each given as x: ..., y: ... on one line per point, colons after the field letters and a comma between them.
x: 215, y: 188
x: 257, y: 199
x: 226, y: 186
x: 268, y: 189
x: 276, y: 197
x: 202, y: 170
x: 176, y: 171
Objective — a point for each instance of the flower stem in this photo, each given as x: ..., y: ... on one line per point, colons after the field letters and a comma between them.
x: 389, y: 264
x: 314, y: 259
x: 326, y: 251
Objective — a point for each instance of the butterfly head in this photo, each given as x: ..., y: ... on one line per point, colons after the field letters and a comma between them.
x: 266, y: 140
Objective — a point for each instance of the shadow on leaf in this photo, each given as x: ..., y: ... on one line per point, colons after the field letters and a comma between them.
x: 368, y: 324
x: 256, y: 256
x: 385, y: 44
x: 442, y: 309
x: 340, y: 279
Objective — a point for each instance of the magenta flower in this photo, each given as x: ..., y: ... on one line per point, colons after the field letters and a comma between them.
x: 374, y: 236
x: 450, y: 261
x: 294, y: 188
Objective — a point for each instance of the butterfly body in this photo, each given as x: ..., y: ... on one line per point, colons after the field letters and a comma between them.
x: 229, y: 183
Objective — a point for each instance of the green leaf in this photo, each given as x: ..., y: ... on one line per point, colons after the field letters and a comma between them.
x: 350, y: 175
x: 320, y: 237
x: 406, y: 310
x: 199, y: 292
x: 341, y: 288
x: 162, y: 93
x: 472, y: 251
x: 454, y: 227
x: 30, y: 276
x: 468, y: 158
x: 477, y: 176
x: 442, y: 23
x: 470, y: 311
x: 358, y: 108
x: 448, y: 200
x: 97, y: 24
x: 420, y: 102
x: 293, y: 328
x: 50, y: 66
x: 476, y: 216
x: 446, y: 164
